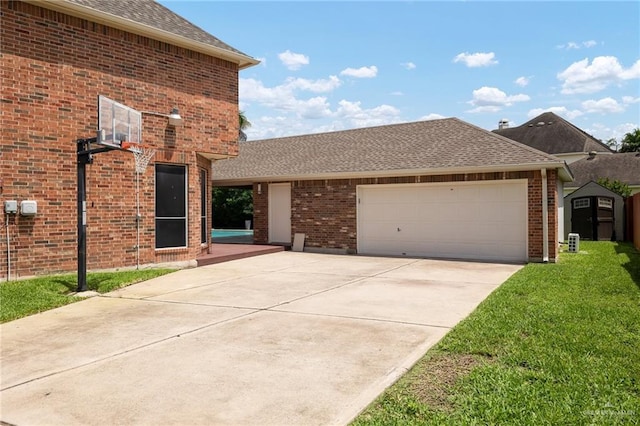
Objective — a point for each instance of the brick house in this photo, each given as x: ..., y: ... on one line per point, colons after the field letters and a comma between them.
x: 57, y: 58
x: 441, y: 188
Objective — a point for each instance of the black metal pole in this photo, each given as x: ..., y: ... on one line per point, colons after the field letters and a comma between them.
x: 83, y: 159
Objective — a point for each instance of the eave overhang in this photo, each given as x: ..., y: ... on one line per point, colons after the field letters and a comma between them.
x: 114, y: 21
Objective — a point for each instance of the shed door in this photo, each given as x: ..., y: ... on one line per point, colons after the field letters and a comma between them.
x: 280, y: 213
x: 582, y: 217
x: 467, y: 220
x: 605, y: 218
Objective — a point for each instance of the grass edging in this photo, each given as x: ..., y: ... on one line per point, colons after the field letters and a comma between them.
x: 555, y: 344
x: 22, y: 298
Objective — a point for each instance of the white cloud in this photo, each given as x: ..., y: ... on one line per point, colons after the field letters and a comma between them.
x: 359, y: 117
x: 283, y: 97
x: 573, y: 45
x: 313, y: 108
x: 362, y: 72
x: 561, y: 111
x: 317, y: 86
x: 604, y: 105
x: 432, y: 116
x: 492, y: 99
x: 397, y: 93
x: 522, y: 81
x: 263, y: 62
x: 293, y: 61
x: 473, y: 60
x: 604, y: 132
x: 628, y: 100
x: 582, y: 77
x: 409, y: 65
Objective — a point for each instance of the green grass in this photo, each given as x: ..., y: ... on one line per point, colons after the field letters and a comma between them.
x: 22, y: 298
x: 557, y: 344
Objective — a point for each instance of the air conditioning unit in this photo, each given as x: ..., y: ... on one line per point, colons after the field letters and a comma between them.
x: 574, y: 243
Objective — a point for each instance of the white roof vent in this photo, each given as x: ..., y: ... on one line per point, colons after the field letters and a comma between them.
x: 503, y: 124
x: 540, y: 123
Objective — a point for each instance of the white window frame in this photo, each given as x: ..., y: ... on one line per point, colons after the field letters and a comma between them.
x: 581, y: 203
x: 606, y: 203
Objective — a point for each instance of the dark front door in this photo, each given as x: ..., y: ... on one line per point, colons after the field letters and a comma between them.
x: 582, y: 217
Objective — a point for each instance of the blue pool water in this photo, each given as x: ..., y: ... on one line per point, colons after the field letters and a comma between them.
x: 222, y: 233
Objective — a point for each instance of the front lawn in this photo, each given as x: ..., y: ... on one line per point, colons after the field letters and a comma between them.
x: 21, y: 298
x: 557, y: 344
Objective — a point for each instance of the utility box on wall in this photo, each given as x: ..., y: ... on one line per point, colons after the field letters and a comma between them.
x: 11, y: 206
x: 28, y: 208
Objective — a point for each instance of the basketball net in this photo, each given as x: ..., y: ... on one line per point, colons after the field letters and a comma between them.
x: 142, y: 155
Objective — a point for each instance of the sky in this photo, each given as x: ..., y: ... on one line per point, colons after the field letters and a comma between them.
x: 334, y: 65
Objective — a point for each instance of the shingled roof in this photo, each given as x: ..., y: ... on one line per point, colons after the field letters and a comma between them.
x: 438, y: 146
x: 151, y: 19
x: 624, y: 167
x: 554, y: 135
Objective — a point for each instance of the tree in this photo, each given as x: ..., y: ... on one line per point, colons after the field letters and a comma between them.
x: 612, y: 143
x: 231, y: 207
x: 631, y: 141
x: 616, y: 186
x: 244, y: 123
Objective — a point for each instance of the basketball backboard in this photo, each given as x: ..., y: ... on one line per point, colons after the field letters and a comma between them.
x: 117, y: 123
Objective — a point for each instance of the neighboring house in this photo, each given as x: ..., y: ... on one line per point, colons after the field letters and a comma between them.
x: 622, y: 166
x: 57, y: 58
x: 595, y: 213
x: 554, y: 135
x: 441, y: 188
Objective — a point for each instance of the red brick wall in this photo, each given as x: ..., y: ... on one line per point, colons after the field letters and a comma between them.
x: 325, y: 210
x: 53, y: 67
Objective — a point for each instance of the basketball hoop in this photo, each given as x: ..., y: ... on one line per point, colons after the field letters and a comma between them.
x: 142, y: 154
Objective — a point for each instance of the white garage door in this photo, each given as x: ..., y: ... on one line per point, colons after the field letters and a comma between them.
x: 467, y: 220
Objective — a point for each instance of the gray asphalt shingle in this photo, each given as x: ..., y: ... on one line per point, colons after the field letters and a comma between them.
x: 438, y: 144
x: 553, y: 134
x: 624, y: 167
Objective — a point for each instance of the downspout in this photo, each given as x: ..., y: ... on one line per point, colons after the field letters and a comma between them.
x: 545, y: 218
x: 8, y: 249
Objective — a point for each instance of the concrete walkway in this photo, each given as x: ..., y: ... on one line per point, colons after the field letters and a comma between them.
x: 281, y: 339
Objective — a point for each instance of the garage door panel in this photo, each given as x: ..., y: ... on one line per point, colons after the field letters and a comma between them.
x: 486, y: 221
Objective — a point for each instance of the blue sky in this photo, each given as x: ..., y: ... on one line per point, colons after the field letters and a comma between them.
x: 335, y: 65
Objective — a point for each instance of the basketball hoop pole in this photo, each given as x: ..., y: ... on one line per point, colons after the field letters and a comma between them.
x: 84, y: 157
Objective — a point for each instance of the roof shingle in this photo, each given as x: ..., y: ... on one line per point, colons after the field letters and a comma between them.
x: 554, y: 135
x: 419, y: 146
x: 624, y: 167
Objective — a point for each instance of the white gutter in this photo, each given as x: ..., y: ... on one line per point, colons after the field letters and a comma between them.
x: 545, y: 218
x: 114, y: 21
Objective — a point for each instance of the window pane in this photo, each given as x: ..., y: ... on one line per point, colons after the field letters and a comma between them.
x: 171, y: 233
x: 203, y: 230
x: 170, y: 191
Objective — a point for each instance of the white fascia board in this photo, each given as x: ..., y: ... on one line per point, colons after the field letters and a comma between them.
x: 564, y: 172
x: 108, y: 19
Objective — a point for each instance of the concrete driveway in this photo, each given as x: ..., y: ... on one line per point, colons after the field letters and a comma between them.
x: 283, y: 339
